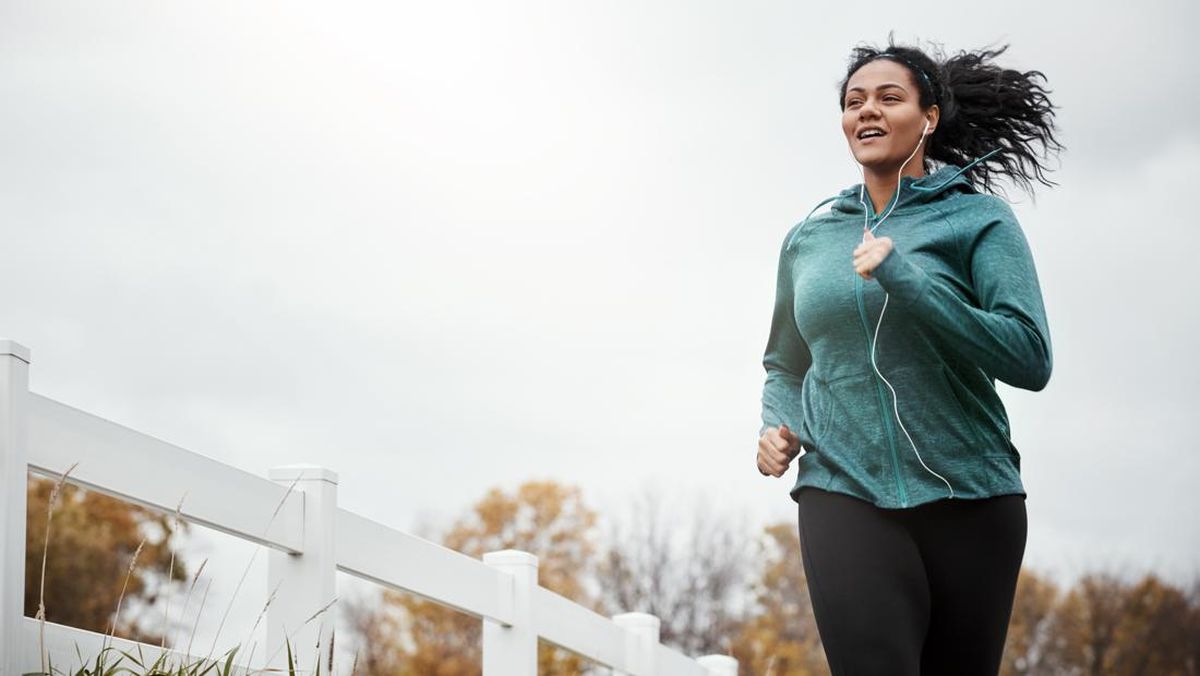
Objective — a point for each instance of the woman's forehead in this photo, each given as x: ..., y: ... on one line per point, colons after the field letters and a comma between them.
x: 880, y: 72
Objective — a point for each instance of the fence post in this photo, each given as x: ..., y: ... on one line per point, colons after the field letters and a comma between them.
x: 641, y: 641
x: 719, y: 665
x: 305, y: 584
x: 14, y: 465
x: 512, y: 650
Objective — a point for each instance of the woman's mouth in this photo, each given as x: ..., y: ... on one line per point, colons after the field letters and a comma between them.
x: 869, y: 135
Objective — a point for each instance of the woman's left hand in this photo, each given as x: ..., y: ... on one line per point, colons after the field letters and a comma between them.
x: 869, y: 254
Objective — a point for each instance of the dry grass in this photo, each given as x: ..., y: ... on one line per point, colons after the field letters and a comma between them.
x: 111, y: 660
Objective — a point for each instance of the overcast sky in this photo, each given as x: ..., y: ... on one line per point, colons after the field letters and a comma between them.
x: 441, y: 247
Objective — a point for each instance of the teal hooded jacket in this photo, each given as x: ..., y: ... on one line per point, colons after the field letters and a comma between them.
x: 964, y: 309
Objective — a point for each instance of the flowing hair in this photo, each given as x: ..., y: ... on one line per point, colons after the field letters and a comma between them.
x: 983, y: 108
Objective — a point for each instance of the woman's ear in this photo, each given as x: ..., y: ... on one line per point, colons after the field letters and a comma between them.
x: 931, y: 116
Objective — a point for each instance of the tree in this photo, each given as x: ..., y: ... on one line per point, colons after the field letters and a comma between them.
x: 93, y: 539
x: 1029, y: 628
x: 1193, y: 645
x: 1108, y: 626
x: 1154, y: 634
x: 425, y: 638
x: 781, y: 638
x: 686, y: 570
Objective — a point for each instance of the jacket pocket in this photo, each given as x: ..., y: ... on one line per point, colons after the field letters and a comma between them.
x: 933, y: 416
x: 817, y: 401
x: 961, y: 401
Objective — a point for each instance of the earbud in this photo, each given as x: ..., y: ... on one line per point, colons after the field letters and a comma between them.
x: 927, y: 131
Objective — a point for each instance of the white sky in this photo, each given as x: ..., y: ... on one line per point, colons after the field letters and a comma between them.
x: 440, y: 247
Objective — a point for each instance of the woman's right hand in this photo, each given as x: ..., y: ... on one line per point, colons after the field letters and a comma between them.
x: 777, y: 447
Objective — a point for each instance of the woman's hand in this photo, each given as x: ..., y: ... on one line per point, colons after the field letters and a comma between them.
x: 777, y: 447
x: 869, y: 254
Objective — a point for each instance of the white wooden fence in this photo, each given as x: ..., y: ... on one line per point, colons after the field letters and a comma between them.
x: 309, y: 538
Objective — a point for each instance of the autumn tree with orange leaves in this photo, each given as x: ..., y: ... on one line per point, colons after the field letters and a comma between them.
x: 1106, y: 625
x: 1031, y: 627
x: 93, y: 540
x: 779, y: 636
x: 1102, y: 625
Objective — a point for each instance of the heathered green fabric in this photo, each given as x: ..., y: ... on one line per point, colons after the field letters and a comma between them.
x: 965, y: 309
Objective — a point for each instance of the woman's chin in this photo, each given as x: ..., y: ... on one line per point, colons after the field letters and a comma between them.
x: 877, y: 162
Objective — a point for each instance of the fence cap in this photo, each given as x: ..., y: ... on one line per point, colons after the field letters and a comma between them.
x: 14, y: 349
x: 637, y: 620
x: 303, y: 473
x: 510, y: 557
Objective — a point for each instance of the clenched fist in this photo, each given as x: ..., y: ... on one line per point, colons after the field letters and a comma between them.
x: 777, y: 447
x: 869, y: 254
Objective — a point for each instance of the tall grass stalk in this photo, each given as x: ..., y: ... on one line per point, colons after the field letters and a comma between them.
x: 187, y: 600
x: 161, y: 667
x: 171, y: 572
x: 199, y: 614
x: 250, y: 657
x: 250, y: 563
x: 288, y: 639
x: 112, y: 630
x: 263, y: 613
x: 41, y: 611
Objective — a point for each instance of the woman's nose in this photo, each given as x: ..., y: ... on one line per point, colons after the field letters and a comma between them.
x: 868, y: 108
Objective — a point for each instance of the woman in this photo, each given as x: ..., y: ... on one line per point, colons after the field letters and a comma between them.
x: 895, y: 313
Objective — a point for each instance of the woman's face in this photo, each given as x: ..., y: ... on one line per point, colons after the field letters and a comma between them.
x: 882, y: 95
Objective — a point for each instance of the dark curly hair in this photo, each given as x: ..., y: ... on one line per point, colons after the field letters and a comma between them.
x: 983, y: 108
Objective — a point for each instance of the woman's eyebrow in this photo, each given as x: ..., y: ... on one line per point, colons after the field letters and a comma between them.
x: 885, y: 85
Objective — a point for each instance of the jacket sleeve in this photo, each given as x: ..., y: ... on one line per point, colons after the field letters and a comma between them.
x: 1006, y: 335
x: 787, y: 357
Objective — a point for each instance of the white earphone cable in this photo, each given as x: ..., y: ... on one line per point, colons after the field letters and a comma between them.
x: 875, y: 339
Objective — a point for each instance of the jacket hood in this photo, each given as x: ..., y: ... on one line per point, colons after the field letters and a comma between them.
x: 947, y: 180
x: 913, y: 191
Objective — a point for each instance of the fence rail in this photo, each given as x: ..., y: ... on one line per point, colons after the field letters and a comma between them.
x: 218, y: 496
x: 295, y: 514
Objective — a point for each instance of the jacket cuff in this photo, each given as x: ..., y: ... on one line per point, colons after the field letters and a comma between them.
x: 901, y: 278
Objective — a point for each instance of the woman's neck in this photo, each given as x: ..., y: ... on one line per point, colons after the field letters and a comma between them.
x: 881, y: 185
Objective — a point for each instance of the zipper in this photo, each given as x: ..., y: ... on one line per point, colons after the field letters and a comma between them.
x: 884, y: 417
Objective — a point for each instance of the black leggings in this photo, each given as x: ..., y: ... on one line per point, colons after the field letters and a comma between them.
x: 926, y: 590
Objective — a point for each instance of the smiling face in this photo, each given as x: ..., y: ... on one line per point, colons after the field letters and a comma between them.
x: 882, y: 96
